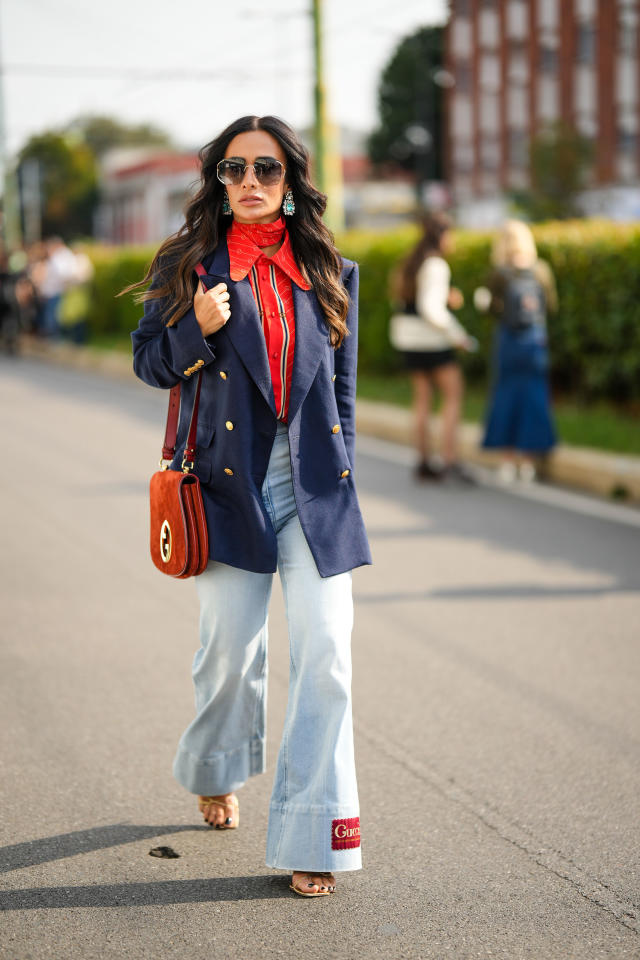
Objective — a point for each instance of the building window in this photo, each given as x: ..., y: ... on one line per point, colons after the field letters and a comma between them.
x: 548, y: 95
x: 462, y: 117
x: 518, y: 69
x: 518, y: 149
x: 490, y: 154
x: 463, y: 156
x: 517, y: 107
x: 489, y: 29
x: 586, y: 43
x: 548, y: 14
x: 517, y: 20
x: 461, y: 44
x: 490, y: 72
x: 489, y: 113
x: 549, y: 60
x: 627, y: 133
x: 626, y: 72
x: 463, y: 77
x: 628, y: 28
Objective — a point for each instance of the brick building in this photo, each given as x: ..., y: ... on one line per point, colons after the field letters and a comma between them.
x: 522, y: 65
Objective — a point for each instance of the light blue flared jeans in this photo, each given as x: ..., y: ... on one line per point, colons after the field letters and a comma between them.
x: 313, y: 816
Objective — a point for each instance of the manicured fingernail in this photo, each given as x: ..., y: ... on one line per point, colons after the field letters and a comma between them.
x: 229, y: 820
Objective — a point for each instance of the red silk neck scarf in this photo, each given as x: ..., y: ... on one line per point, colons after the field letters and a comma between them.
x: 263, y: 234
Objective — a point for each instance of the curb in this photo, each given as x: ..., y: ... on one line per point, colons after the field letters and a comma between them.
x: 608, y: 475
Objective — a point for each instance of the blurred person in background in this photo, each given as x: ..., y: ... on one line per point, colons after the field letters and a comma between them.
x: 76, y: 300
x: 36, y: 272
x: 16, y: 301
x: 520, y: 292
x: 59, y: 274
x: 428, y: 335
x: 276, y: 437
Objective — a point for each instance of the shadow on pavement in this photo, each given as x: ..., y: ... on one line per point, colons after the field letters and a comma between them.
x: 511, y: 591
x: 147, y: 894
x: 33, y: 852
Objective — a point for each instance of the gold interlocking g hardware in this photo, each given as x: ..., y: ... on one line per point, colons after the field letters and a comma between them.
x: 166, y: 542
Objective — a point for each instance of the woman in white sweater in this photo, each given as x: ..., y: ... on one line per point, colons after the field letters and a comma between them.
x: 428, y: 334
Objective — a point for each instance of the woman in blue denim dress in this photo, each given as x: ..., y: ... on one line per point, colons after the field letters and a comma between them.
x: 521, y: 292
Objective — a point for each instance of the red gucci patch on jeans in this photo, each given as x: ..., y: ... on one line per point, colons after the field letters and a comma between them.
x: 345, y: 834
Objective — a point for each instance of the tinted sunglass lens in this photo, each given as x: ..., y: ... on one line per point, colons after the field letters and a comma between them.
x: 230, y: 172
x: 268, y: 172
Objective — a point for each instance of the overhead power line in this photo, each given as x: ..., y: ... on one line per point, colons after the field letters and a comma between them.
x: 54, y: 69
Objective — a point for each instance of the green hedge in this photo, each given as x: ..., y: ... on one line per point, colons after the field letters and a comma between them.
x: 595, y: 338
x: 116, y: 268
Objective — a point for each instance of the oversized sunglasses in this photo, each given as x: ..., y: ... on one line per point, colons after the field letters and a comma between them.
x: 268, y: 171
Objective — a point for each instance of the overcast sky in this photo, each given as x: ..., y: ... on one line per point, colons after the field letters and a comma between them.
x: 192, y: 67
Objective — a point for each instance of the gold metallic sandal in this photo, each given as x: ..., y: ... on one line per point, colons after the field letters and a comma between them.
x: 308, y: 878
x: 225, y: 800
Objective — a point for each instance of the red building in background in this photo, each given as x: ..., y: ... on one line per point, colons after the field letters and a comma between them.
x: 523, y: 65
x: 143, y: 193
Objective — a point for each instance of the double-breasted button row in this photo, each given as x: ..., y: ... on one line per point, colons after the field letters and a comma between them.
x: 194, y: 368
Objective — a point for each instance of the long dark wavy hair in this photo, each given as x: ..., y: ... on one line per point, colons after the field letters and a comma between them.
x: 172, y: 268
x: 403, y: 282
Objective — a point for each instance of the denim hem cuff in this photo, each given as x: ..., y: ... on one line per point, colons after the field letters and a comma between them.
x: 299, y: 839
x: 222, y: 772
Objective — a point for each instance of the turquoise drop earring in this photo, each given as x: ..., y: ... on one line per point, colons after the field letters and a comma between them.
x: 226, y: 206
x: 288, y: 205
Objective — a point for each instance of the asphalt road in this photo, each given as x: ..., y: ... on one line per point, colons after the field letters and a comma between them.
x: 497, y: 669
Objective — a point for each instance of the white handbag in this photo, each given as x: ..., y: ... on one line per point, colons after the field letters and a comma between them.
x: 409, y: 331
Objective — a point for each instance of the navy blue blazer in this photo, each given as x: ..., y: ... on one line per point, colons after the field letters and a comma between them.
x: 237, y: 421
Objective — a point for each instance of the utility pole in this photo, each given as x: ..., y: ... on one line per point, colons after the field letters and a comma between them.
x: 8, y: 179
x: 328, y: 161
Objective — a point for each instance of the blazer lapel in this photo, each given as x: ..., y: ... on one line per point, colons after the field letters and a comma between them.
x: 312, y: 336
x: 243, y: 328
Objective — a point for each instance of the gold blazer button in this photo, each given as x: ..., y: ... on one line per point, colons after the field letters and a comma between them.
x: 223, y: 375
x: 335, y: 428
x: 345, y: 473
x: 229, y: 425
x: 228, y: 471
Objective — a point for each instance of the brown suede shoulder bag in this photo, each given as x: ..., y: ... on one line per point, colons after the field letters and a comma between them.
x: 179, y: 540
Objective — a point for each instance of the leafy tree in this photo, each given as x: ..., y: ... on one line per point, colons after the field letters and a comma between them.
x: 559, y: 164
x: 68, y: 167
x: 103, y: 133
x: 410, y: 107
x: 68, y: 183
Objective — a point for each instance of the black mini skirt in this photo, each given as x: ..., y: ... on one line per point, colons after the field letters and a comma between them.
x: 428, y: 359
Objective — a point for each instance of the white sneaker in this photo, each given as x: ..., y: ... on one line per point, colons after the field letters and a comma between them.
x: 527, y: 472
x: 507, y: 472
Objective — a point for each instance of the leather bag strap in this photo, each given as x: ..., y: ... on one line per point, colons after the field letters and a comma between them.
x: 173, y: 413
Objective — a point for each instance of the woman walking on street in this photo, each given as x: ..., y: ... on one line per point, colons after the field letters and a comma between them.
x: 521, y: 292
x: 272, y: 329
x: 421, y: 286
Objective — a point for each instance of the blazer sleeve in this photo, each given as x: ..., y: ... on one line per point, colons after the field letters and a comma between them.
x: 164, y: 355
x: 346, y: 363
